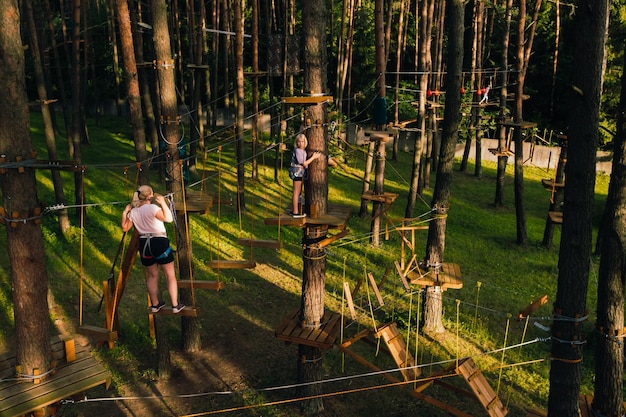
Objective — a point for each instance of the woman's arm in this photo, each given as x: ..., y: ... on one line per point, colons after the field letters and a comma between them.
x: 127, y: 223
x: 313, y: 157
x: 165, y: 214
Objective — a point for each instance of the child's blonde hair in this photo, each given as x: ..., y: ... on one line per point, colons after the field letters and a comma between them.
x: 303, y: 137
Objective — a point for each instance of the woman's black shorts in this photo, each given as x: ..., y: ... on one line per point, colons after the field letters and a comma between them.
x: 155, y: 250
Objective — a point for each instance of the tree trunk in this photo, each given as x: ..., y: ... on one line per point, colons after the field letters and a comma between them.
x: 441, y: 194
x: 240, y: 103
x: 502, y: 132
x: 29, y: 279
x: 132, y: 84
x: 74, y: 136
x: 379, y: 185
x: 314, y: 17
x: 575, y: 250
x: 609, y: 355
x: 64, y: 223
x: 367, y: 176
x: 171, y: 134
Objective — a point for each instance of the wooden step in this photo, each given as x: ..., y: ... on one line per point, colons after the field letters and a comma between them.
x: 397, y: 347
x: 98, y: 333
x: 481, y: 388
x: 167, y: 311
x: 555, y: 217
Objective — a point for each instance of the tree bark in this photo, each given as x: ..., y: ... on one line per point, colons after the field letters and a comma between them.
x: 502, y: 132
x: 64, y: 223
x: 314, y: 17
x: 441, y: 194
x: 609, y: 354
x: 240, y: 103
x: 132, y: 85
x: 170, y: 126
x: 575, y: 251
x: 29, y: 279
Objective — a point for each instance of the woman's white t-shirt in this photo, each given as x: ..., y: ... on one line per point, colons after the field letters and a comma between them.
x: 145, y: 221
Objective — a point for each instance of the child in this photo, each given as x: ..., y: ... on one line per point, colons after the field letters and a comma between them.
x: 299, y: 164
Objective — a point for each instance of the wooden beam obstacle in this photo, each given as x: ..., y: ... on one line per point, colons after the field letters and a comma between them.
x: 74, y: 372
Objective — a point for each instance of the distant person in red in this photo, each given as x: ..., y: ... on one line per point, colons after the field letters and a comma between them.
x: 297, y: 171
x: 154, y: 246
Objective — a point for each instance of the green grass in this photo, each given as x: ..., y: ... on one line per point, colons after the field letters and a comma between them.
x: 500, y: 277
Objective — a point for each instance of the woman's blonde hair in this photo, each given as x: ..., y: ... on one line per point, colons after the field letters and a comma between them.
x: 303, y: 137
x: 142, y: 194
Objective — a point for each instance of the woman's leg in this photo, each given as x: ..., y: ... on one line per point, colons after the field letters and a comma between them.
x: 297, y: 189
x: 152, y: 283
x: 172, y: 285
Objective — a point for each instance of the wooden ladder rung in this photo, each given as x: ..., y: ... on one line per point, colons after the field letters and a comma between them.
x: 98, y: 333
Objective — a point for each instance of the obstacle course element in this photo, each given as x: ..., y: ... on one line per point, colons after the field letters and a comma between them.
x: 448, y: 276
x: 75, y: 371
x: 397, y: 347
x: 336, y: 217
x: 291, y: 330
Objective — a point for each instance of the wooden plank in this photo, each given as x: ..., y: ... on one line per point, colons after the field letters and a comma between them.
x: 584, y: 405
x: 448, y: 277
x: 405, y: 283
x: 258, y: 243
x: 79, y: 375
x: 360, y: 335
x: 323, y: 337
x: 231, y: 264
x: 201, y: 284
x: 375, y: 288
x: 395, y: 342
x: 167, y: 311
x: 549, y: 184
x: 386, y: 198
x: 98, y: 333
x: 346, y: 289
x: 532, y: 307
x: 481, y: 388
x: 535, y: 412
x: 325, y: 242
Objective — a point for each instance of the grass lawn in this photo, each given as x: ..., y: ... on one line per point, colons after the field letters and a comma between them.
x: 240, y: 357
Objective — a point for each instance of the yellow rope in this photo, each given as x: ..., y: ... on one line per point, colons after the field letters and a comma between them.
x: 506, y: 335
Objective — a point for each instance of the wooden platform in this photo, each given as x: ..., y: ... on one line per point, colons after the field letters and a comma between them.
x: 556, y: 217
x: 307, y: 100
x: 291, y: 330
x: 231, y: 264
x: 195, y: 202
x: 386, y: 198
x: 201, y: 284
x: 501, y: 152
x: 167, y: 311
x: 449, y: 277
x: 519, y: 125
x: 549, y: 184
x: 336, y: 217
x: 75, y: 371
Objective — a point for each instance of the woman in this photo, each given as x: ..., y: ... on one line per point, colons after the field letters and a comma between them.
x: 299, y: 164
x: 154, y: 246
